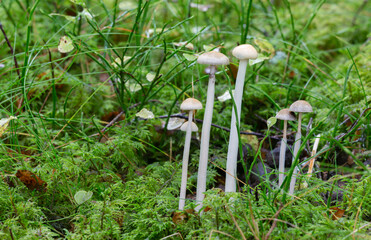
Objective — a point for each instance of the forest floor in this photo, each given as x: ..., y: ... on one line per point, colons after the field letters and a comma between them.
x: 90, y: 89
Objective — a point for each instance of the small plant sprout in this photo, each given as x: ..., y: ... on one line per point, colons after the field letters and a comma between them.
x: 243, y: 53
x: 190, y: 104
x: 213, y: 59
x: 300, y: 107
x: 284, y: 115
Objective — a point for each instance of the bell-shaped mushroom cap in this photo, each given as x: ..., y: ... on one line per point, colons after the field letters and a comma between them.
x: 301, y: 106
x: 285, y: 114
x: 174, y: 123
x: 244, y: 52
x: 190, y: 104
x: 185, y: 126
x: 213, y: 58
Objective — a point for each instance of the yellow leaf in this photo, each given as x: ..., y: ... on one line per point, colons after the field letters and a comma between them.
x: 65, y: 45
x: 4, y: 124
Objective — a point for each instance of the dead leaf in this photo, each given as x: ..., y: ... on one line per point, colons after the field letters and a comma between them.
x: 4, y: 124
x: 31, y: 181
x: 179, y: 217
x: 232, y: 70
x: 207, y: 209
x: 336, y: 213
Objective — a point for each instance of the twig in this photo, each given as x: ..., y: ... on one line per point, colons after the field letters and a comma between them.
x: 11, y: 50
x: 217, y: 126
x: 235, y: 222
x: 217, y: 231
x: 11, y: 233
x: 340, y: 136
x: 314, y: 151
x: 183, y: 116
x: 172, y: 235
x: 309, y: 127
x: 167, y: 182
x: 359, y: 10
x: 274, y: 223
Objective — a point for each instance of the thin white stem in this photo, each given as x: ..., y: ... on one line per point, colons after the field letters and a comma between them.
x: 296, y: 150
x: 314, y: 151
x: 205, y: 138
x: 187, y: 145
x: 230, y: 179
x: 281, y: 168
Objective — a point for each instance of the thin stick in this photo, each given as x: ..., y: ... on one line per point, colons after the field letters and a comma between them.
x: 235, y: 222
x: 314, y: 151
x: 217, y: 231
x: 11, y: 50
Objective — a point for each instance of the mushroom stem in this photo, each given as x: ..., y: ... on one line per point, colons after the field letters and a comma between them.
x: 230, y: 180
x: 314, y: 151
x: 296, y: 150
x: 281, y: 168
x: 205, y: 138
x: 187, y: 144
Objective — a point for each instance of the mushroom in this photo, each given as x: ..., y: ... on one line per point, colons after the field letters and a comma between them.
x: 190, y: 104
x: 300, y: 107
x: 284, y: 115
x: 213, y: 59
x: 243, y: 53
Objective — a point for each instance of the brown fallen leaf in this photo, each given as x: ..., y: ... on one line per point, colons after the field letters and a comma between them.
x: 337, y: 213
x: 31, y: 181
x: 232, y: 70
x: 179, y: 217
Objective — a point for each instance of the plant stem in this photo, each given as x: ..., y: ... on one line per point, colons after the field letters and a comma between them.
x: 281, y: 168
x: 296, y: 150
x: 187, y: 145
x: 230, y: 181
x: 205, y: 138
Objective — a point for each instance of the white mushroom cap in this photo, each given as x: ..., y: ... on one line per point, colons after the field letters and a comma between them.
x: 286, y: 114
x: 185, y: 126
x: 245, y: 52
x: 174, y: 123
x: 301, y: 106
x: 213, y: 58
x: 190, y: 104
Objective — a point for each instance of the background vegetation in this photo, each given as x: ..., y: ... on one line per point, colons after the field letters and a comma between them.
x: 76, y: 127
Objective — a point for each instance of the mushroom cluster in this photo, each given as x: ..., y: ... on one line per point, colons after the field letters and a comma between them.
x: 284, y: 115
x: 244, y: 53
x: 300, y: 107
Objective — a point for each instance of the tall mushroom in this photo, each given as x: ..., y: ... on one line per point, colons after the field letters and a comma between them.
x: 300, y: 107
x: 190, y: 104
x: 213, y: 59
x: 284, y: 115
x: 243, y: 53
x: 188, y: 128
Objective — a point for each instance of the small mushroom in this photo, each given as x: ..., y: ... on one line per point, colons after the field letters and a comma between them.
x: 184, y: 127
x: 243, y: 53
x: 284, y: 115
x: 213, y: 59
x: 300, y: 107
x: 190, y: 104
